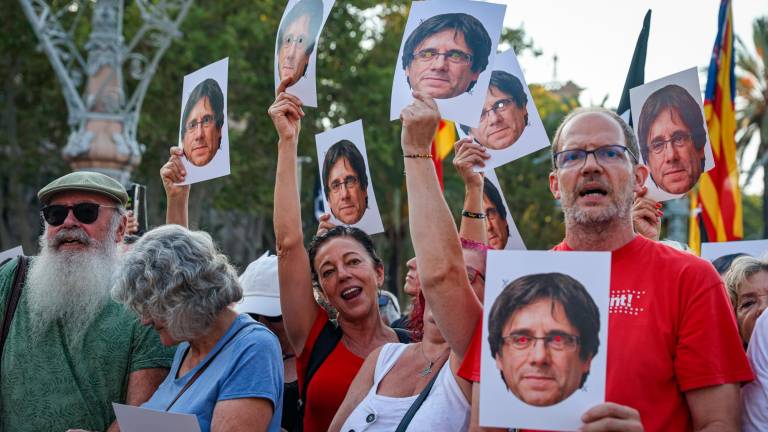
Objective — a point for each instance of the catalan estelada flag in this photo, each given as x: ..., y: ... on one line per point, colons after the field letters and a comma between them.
x: 442, y: 145
x: 716, y: 212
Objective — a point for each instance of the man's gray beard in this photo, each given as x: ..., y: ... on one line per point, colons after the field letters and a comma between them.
x: 620, y: 208
x: 70, y: 287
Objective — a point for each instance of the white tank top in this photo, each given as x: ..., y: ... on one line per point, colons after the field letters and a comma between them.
x: 445, y: 409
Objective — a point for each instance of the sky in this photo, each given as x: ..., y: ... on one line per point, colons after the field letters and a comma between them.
x: 594, y: 39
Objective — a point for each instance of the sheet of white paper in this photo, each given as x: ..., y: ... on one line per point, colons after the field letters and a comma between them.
x: 306, y: 87
x: 667, y: 168
x: 137, y: 419
x: 464, y: 107
x: 499, y: 406
x: 532, y: 138
x: 711, y: 251
x: 370, y: 220
x: 219, y: 165
x: 11, y: 253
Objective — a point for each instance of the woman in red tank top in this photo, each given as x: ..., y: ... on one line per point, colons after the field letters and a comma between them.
x: 345, y: 268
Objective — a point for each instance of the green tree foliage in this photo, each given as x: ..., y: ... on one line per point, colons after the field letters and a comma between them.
x: 356, y: 62
x: 753, y: 216
x: 752, y: 89
x: 33, y: 122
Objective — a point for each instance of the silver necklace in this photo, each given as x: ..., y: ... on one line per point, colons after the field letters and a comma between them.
x: 428, y: 368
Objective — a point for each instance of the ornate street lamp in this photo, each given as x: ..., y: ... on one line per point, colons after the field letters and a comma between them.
x: 103, y: 113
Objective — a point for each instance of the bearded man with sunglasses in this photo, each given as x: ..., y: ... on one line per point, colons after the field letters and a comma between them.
x: 71, y: 350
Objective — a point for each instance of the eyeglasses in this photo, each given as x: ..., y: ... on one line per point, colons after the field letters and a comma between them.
x: 86, y: 213
x: 499, y: 106
x: 605, y: 155
x: 350, y: 182
x: 473, y: 274
x: 678, y: 140
x: 554, y: 341
x: 299, y: 41
x: 452, y: 56
x: 206, y: 122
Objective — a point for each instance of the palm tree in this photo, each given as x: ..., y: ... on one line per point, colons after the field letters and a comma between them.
x: 752, y: 117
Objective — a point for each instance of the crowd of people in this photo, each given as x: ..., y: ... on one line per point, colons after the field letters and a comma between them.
x: 299, y: 341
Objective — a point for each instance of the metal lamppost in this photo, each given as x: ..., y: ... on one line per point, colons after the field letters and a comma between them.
x: 103, y: 116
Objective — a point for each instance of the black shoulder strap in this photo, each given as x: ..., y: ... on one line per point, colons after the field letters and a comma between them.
x: 205, y: 365
x: 417, y: 404
x: 403, y: 335
x: 326, y: 341
x: 13, y: 298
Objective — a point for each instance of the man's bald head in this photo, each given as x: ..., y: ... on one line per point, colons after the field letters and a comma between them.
x: 563, y: 130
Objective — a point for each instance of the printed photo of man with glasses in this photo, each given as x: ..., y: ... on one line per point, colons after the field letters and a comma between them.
x: 346, y: 186
x: 203, y: 146
x: 203, y: 118
x: 509, y: 125
x: 505, y: 114
x: 543, y: 332
x: 445, y: 55
x: 296, y: 38
x: 346, y: 182
x: 672, y: 138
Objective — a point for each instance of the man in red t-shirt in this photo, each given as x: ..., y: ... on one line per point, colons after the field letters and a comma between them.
x: 674, y: 357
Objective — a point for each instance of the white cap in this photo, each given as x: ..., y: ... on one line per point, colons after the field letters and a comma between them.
x: 261, y: 288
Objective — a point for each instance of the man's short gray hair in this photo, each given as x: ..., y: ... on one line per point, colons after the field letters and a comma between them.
x: 629, y: 135
x: 177, y: 277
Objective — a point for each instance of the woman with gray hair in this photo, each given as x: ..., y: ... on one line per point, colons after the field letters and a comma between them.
x: 747, y: 284
x: 227, y: 369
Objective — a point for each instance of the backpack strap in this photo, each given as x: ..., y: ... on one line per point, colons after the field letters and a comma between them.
x: 326, y: 342
x: 13, y: 298
x: 403, y: 335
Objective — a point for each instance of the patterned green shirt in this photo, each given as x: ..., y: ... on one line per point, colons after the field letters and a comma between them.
x: 50, y: 385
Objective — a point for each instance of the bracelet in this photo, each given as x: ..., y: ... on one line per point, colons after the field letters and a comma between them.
x: 473, y: 215
x: 418, y: 156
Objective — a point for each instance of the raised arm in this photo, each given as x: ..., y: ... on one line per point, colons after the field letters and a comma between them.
x: 467, y: 154
x: 296, y: 299
x: 173, y: 173
x: 435, y: 240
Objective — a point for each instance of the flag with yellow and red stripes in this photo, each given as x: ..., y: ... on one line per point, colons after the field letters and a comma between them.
x: 442, y: 145
x: 716, y: 210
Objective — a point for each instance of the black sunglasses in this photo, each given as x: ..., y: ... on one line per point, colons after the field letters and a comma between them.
x: 86, y: 213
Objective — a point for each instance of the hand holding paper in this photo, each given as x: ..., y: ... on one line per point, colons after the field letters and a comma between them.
x: 420, y: 121
x: 646, y: 216
x: 468, y: 154
x: 611, y: 416
x: 286, y: 114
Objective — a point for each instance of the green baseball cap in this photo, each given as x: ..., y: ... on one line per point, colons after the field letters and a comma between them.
x: 87, y: 181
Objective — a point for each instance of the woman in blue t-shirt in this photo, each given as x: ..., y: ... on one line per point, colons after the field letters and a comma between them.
x: 227, y: 370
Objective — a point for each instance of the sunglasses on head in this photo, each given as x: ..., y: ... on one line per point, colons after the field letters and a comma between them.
x: 87, y: 213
